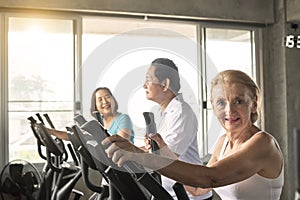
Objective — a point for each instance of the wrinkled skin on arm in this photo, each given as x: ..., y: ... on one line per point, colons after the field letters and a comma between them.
x: 259, y: 154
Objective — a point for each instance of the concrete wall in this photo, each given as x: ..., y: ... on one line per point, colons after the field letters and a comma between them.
x: 274, y: 78
x: 255, y: 11
x: 293, y: 8
x: 281, y: 83
x: 292, y: 71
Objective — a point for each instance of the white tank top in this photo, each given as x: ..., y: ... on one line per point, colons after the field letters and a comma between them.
x: 255, y: 187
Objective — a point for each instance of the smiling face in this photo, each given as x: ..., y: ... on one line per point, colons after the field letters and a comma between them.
x: 104, y: 102
x: 233, y: 104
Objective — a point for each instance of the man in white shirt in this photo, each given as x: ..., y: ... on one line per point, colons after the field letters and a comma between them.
x: 178, y: 125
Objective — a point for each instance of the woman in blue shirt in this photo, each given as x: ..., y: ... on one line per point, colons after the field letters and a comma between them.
x: 102, y: 100
x: 105, y: 103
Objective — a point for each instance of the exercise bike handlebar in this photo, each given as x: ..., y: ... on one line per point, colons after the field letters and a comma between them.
x: 151, y: 128
x: 49, y: 120
x: 98, y: 116
x: 36, y: 135
x: 59, y: 141
x: 48, y: 140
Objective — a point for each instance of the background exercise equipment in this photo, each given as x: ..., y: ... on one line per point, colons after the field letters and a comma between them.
x: 58, y: 176
x: 19, y: 179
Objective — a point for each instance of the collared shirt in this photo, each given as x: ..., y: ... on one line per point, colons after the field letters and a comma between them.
x: 178, y: 127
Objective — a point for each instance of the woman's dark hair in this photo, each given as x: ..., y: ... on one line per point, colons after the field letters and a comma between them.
x: 166, y: 68
x: 93, y: 101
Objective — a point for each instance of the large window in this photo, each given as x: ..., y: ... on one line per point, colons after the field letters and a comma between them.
x: 42, y: 71
x: 40, y: 78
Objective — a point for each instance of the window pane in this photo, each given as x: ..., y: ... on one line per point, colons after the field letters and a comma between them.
x: 225, y: 49
x: 40, y: 77
x: 228, y: 49
x: 131, y: 46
